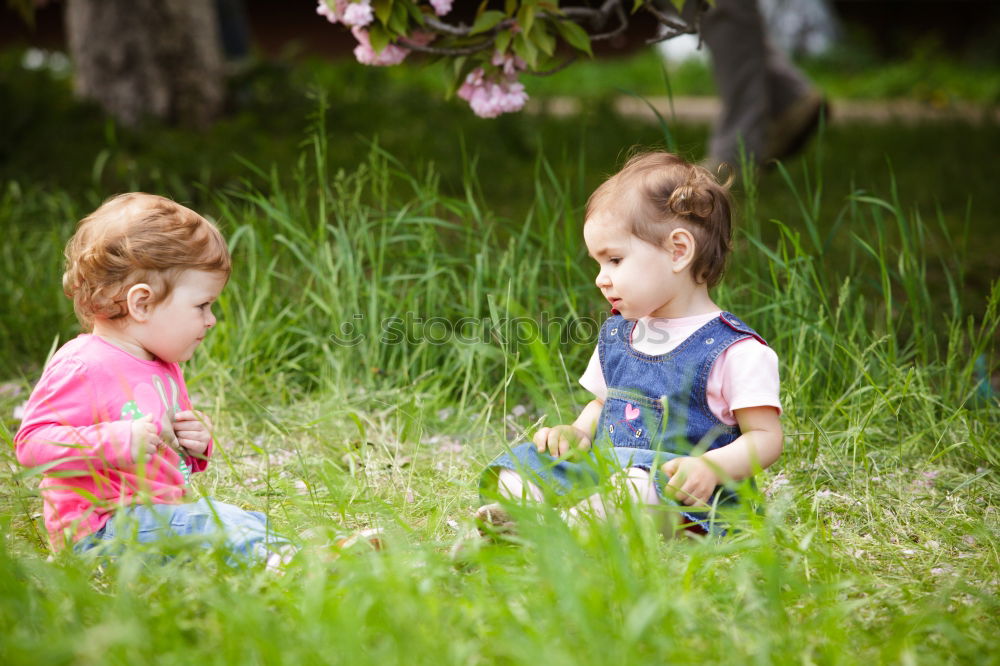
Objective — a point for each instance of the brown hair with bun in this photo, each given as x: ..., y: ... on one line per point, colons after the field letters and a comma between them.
x: 655, y: 192
x: 136, y: 238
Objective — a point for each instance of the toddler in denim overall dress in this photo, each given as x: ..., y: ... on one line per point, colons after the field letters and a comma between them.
x: 656, y: 409
x: 660, y: 231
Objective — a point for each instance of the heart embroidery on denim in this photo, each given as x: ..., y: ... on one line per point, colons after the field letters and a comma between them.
x: 631, y: 413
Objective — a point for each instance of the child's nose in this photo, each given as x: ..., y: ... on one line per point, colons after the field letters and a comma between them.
x: 602, y: 280
x: 210, y: 321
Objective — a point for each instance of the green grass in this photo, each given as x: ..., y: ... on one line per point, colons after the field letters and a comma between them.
x: 878, y: 542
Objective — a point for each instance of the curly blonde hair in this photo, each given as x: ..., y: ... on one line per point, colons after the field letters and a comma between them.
x: 136, y: 238
x: 655, y: 192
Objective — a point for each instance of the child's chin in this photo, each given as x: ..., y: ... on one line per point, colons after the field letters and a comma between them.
x: 182, y: 357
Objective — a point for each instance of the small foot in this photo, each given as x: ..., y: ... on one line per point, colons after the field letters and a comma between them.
x: 371, y: 536
x: 494, y: 520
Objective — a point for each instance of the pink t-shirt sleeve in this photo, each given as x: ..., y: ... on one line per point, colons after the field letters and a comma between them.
x: 745, y: 375
x: 52, y: 431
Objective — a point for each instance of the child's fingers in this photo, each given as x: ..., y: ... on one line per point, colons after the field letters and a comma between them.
x: 146, y: 452
x: 190, y: 428
x: 541, y: 439
x: 196, y: 439
x: 554, y: 436
x: 678, y: 482
x: 693, y: 493
x: 193, y: 433
x: 187, y: 423
x: 192, y: 416
x: 677, y: 490
x: 670, y: 467
x: 196, y: 446
x: 685, y: 495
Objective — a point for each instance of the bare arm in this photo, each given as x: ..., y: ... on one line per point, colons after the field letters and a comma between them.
x: 757, y: 448
x: 693, y: 478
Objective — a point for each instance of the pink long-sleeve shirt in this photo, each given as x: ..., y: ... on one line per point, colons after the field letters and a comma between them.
x: 77, y: 432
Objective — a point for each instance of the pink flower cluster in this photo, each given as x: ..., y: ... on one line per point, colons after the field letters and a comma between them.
x: 366, y: 55
x: 509, y: 63
x: 441, y: 7
x: 491, y: 96
x: 352, y: 14
x: 392, y: 54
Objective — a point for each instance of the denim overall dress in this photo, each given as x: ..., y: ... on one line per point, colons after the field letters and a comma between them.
x: 656, y: 409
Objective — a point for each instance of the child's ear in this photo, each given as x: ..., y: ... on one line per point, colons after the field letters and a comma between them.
x: 681, y: 245
x: 139, y: 301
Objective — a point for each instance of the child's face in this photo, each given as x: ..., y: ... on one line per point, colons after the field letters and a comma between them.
x: 177, y: 325
x: 638, y: 279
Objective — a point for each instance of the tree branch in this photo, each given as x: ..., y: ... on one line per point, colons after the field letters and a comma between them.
x: 447, y: 51
x: 622, y: 25
x: 586, y: 17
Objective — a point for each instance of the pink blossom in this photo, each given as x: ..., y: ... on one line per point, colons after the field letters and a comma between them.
x: 509, y: 63
x: 358, y: 14
x: 366, y: 55
x: 489, y: 98
x: 334, y: 13
x: 441, y: 7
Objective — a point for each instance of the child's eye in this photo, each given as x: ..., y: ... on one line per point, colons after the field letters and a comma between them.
x: 614, y: 261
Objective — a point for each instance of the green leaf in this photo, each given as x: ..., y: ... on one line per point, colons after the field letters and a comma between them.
x: 543, y: 38
x: 383, y: 9
x: 397, y: 22
x: 526, y: 50
x: 526, y: 17
x: 502, y: 42
x: 486, y: 21
x: 454, y: 75
x: 413, y: 10
x: 510, y: 6
x: 358, y: 423
x: 575, y: 36
x: 379, y: 37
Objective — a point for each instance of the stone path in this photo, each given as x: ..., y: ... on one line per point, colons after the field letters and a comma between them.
x: 700, y: 110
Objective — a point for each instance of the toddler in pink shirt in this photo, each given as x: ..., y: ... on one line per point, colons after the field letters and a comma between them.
x: 110, y: 425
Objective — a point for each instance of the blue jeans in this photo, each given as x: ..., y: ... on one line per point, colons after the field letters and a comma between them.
x: 244, y: 534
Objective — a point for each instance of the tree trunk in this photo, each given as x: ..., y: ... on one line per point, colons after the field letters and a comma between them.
x: 139, y: 58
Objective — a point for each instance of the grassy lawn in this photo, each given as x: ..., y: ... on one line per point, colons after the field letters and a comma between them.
x: 374, y: 351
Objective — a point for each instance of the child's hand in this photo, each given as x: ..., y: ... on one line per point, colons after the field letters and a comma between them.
x: 692, y: 479
x: 560, y: 440
x: 193, y: 431
x: 145, y: 440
